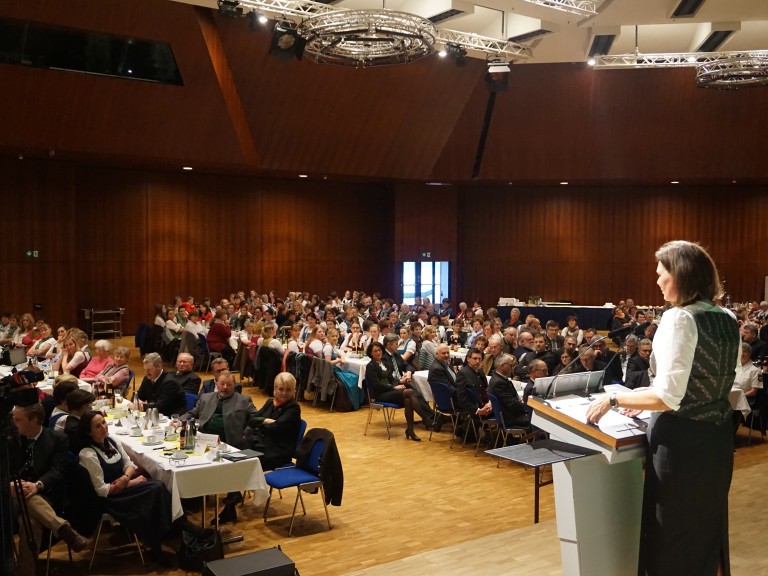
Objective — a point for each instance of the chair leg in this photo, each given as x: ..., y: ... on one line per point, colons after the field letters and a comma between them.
x: 327, y: 517
x: 48, y: 556
x: 266, y: 505
x: 96, y: 544
x: 370, y: 415
x: 295, y: 503
x: 138, y: 547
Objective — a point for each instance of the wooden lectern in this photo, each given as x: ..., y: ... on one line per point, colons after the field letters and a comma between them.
x: 598, y: 499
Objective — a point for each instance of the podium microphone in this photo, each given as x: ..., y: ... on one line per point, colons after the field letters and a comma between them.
x: 612, y: 334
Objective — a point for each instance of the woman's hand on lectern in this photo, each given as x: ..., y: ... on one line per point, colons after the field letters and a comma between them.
x: 598, y: 408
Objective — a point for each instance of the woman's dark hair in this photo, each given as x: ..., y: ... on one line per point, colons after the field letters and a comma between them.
x: 375, y: 345
x: 693, y: 269
x: 84, y: 432
x: 572, y: 353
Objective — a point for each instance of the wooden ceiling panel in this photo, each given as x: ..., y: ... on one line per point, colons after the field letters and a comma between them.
x: 97, y: 116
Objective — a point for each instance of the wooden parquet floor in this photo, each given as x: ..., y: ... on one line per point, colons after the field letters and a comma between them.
x: 421, y: 508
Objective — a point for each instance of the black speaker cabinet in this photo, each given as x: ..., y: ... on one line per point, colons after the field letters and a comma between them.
x: 270, y: 562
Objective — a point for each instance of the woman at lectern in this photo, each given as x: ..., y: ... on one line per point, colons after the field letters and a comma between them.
x: 690, y: 442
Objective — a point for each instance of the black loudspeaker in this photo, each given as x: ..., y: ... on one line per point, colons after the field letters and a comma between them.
x: 270, y: 562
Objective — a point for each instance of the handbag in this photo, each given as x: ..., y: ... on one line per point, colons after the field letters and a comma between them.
x: 199, y: 545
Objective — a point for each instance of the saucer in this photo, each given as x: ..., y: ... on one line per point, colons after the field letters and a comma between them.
x: 155, y: 443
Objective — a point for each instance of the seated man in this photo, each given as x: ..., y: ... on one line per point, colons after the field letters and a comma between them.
x: 524, y: 343
x: 588, y: 362
x: 184, y: 376
x: 536, y: 369
x: 495, y: 349
x: 638, y: 364
x: 470, y: 376
x: 539, y: 352
x: 501, y: 385
x: 611, y: 360
x: 39, y: 456
x: 552, y: 337
x: 225, y: 413
x: 441, y: 369
x: 749, y: 335
x: 156, y: 388
x: 219, y: 365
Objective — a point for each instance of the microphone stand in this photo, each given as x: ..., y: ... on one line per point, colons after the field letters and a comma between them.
x: 571, y: 363
x: 611, y: 334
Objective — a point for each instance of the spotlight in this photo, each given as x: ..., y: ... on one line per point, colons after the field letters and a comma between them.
x: 255, y: 20
x: 591, y: 62
x: 286, y: 41
x: 230, y: 8
x: 457, y: 52
x: 497, y: 76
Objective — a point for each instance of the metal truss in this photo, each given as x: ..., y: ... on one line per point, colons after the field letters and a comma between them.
x: 303, y: 9
x: 672, y: 60
x: 581, y: 7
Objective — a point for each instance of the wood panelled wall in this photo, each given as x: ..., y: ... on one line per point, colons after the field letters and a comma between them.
x: 115, y: 237
x: 592, y: 245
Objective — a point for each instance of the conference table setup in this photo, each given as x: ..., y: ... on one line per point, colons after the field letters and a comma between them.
x: 189, y: 474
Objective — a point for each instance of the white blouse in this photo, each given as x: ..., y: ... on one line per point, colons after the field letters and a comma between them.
x: 747, y: 377
x: 90, y: 461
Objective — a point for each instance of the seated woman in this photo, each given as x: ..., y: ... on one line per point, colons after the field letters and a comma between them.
x: 381, y: 382
x: 406, y: 347
x: 41, y: 347
x: 434, y: 320
x: 331, y: 351
x: 455, y: 336
x: 75, y: 357
x: 268, y: 338
x: 566, y: 357
x: 315, y: 343
x: 58, y: 348
x: 141, y: 505
x: 27, y: 333
x: 219, y: 335
x: 100, y: 362
x: 115, y: 375
x: 173, y: 328
x: 353, y: 342
x: 274, y: 429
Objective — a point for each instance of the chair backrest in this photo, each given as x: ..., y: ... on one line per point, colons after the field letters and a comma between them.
x: 127, y: 384
x: 191, y: 401
x: 302, y: 430
x: 498, y: 414
x: 141, y: 336
x: 442, y: 395
x: 203, y: 343
x: 312, y: 463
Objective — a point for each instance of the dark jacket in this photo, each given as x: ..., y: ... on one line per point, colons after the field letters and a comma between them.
x: 512, y: 407
x: 439, y: 372
x: 49, y: 460
x: 468, y: 378
x: 277, y: 440
x: 331, y: 471
x: 166, y: 394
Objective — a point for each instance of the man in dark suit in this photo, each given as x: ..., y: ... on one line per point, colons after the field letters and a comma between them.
x: 184, y: 375
x: 39, y: 457
x: 219, y: 365
x: 638, y: 365
x: 471, y: 377
x: 501, y: 385
x: 611, y: 361
x: 441, y: 370
x: 157, y: 389
x: 539, y: 352
x: 749, y: 335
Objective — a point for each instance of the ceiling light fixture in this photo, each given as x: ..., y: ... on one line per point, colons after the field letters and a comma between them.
x: 365, y: 38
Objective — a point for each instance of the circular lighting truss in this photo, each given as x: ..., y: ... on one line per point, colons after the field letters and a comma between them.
x: 743, y: 71
x: 365, y: 38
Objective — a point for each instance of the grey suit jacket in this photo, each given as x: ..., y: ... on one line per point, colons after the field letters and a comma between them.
x: 237, y: 410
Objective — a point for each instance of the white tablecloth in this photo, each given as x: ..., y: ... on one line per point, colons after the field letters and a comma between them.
x: 198, y: 476
x: 357, y: 365
x: 739, y: 401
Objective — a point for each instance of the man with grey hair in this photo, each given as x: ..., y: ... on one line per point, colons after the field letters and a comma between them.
x: 495, y: 349
x: 158, y: 389
x: 502, y: 386
x: 749, y: 335
x: 184, y: 375
x: 524, y: 343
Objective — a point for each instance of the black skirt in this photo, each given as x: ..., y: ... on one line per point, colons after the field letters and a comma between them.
x: 144, y: 509
x: 685, y: 502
